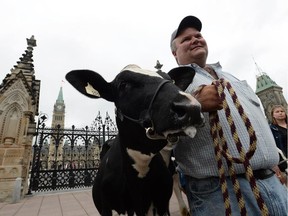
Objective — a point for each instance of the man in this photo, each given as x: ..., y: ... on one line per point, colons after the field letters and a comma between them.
x: 196, y: 157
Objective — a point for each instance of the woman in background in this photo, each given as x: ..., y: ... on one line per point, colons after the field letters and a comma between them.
x: 279, y: 130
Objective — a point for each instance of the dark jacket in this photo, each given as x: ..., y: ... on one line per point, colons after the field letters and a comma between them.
x: 281, y: 142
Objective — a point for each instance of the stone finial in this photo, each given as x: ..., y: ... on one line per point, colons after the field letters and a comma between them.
x: 31, y: 42
x: 158, y: 66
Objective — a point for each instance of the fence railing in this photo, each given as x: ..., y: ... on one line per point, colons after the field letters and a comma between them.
x: 68, y: 158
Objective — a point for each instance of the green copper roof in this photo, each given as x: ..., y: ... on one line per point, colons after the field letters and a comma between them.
x: 264, y: 82
x: 60, y: 96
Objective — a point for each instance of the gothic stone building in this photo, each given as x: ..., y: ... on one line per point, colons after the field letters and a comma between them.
x: 19, y: 100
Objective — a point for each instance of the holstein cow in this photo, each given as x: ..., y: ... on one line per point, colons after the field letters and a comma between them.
x: 132, y: 177
x: 167, y: 154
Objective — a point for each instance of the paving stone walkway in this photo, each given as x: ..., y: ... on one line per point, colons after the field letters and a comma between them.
x: 70, y: 203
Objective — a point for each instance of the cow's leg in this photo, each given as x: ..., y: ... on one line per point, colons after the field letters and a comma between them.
x: 166, y: 153
x: 161, y: 185
x: 130, y: 213
x: 178, y: 193
x: 106, y: 212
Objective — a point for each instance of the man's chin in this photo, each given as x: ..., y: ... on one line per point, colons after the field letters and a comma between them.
x: 199, y: 51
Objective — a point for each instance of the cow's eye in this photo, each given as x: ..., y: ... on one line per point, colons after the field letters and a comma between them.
x: 122, y: 86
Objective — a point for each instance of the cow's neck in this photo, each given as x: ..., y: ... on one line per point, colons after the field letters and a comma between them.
x: 138, y: 147
x: 133, y: 136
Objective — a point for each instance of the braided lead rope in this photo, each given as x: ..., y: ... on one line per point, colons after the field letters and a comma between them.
x: 253, y: 141
x: 221, y: 150
x: 218, y: 154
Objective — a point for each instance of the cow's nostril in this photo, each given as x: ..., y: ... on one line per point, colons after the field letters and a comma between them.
x: 180, y: 109
x: 187, y: 113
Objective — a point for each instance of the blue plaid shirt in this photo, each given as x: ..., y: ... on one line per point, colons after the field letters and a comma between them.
x: 196, y: 156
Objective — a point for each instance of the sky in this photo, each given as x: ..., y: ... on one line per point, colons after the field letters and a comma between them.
x: 105, y: 36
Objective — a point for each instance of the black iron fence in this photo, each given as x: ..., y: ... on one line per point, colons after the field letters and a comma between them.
x: 68, y: 158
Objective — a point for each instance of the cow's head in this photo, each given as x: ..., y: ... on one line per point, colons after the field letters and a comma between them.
x: 147, y: 98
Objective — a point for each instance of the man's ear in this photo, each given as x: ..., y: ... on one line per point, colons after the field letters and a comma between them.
x: 182, y: 76
x: 175, y: 56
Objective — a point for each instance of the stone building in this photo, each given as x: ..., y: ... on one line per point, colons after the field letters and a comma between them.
x: 269, y: 94
x: 19, y: 101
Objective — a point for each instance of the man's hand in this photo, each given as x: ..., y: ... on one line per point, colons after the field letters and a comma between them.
x: 209, y: 99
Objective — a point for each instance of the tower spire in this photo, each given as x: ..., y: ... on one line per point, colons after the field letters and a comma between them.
x: 60, y: 96
x: 26, y: 61
x: 260, y: 71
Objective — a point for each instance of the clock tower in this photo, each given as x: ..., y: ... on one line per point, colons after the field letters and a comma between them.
x: 59, y: 111
x: 58, y: 118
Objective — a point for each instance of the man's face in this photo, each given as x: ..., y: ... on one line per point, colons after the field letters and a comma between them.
x: 190, y: 47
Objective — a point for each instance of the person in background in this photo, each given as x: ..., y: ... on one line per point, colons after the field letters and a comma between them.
x: 196, y: 156
x: 279, y: 130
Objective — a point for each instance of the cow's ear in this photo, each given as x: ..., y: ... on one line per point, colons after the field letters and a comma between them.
x: 182, y: 76
x: 90, y: 83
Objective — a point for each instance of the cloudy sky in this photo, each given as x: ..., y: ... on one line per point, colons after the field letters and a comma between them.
x: 105, y: 36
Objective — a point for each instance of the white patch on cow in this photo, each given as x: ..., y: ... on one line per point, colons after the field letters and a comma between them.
x: 141, y: 162
x: 190, y: 131
x: 90, y: 90
x: 115, y: 213
x: 137, y: 69
x: 191, y: 98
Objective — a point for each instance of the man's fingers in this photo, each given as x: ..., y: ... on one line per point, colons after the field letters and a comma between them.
x: 209, y: 99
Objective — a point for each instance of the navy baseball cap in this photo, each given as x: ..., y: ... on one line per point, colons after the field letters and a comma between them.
x: 188, y: 21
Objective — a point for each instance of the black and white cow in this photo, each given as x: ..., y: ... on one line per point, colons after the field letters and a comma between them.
x: 167, y: 155
x: 132, y: 176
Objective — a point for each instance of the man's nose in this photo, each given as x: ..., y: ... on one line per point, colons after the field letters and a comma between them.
x: 194, y: 40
